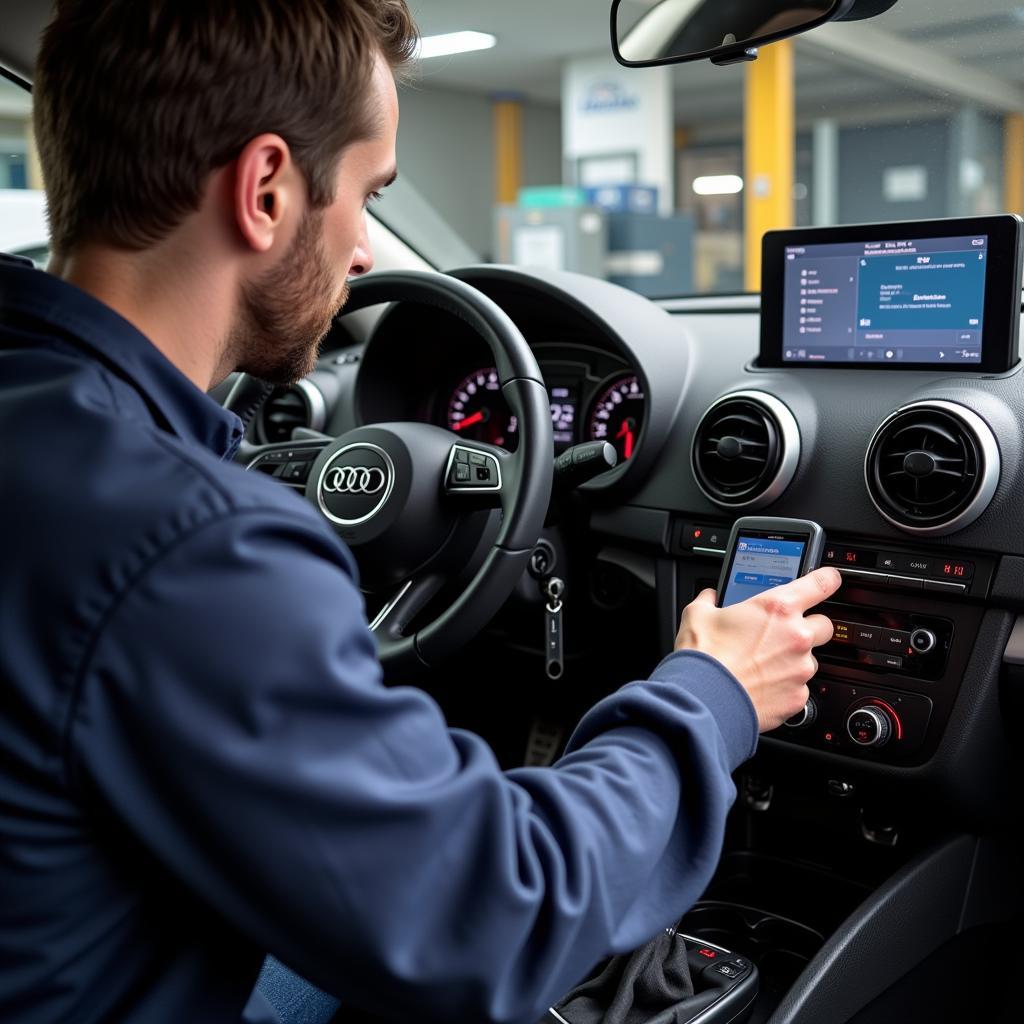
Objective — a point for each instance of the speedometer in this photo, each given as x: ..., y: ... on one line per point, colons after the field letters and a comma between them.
x: 478, y: 410
x: 617, y: 414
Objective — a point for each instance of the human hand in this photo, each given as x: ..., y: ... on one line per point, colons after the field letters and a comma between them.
x: 765, y: 641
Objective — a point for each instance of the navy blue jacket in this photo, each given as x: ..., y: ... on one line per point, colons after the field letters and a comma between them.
x: 199, y: 763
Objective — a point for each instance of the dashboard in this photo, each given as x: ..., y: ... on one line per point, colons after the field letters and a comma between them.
x: 911, y: 692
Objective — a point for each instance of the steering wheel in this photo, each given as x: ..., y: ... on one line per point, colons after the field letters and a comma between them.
x: 406, y: 497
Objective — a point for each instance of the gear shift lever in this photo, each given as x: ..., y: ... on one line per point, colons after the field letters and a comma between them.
x: 633, y: 989
x: 663, y: 982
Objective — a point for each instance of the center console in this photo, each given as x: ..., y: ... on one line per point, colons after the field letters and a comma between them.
x: 905, y: 625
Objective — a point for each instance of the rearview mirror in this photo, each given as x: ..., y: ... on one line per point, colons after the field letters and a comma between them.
x: 722, y: 31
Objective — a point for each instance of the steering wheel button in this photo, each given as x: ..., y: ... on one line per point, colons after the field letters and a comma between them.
x: 477, y: 459
x: 461, y: 455
x: 461, y: 473
x: 296, y: 472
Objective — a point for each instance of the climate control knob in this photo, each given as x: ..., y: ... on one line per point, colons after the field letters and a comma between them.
x: 923, y: 641
x: 869, y: 726
x: 802, y: 719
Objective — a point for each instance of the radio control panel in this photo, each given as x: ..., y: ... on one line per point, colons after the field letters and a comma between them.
x: 888, y: 640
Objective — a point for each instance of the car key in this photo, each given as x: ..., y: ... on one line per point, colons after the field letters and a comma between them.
x: 553, y: 588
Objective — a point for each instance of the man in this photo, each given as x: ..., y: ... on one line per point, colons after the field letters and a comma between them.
x: 198, y: 761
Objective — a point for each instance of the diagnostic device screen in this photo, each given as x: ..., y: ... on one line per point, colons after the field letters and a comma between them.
x: 762, y: 561
x: 886, y: 302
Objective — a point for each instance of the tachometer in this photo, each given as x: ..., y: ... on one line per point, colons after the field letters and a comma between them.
x: 618, y: 414
x: 478, y: 410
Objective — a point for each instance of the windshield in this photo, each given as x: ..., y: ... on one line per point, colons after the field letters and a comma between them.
x: 541, y: 150
x: 522, y: 141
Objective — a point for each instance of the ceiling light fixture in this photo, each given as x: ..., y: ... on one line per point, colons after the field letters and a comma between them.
x: 718, y: 185
x: 453, y: 42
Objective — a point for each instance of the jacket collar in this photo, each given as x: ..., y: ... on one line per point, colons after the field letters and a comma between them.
x: 177, y: 404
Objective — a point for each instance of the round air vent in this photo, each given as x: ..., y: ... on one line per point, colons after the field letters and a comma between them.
x: 932, y: 467
x: 746, y: 450
x: 295, y: 405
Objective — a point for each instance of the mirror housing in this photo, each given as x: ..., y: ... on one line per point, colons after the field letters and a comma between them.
x: 722, y: 31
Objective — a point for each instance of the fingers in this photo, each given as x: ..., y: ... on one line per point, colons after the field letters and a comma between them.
x: 822, y: 628
x: 708, y: 597
x: 809, y: 590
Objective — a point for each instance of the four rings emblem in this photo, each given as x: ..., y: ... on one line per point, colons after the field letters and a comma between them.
x: 354, y: 480
x: 355, y: 484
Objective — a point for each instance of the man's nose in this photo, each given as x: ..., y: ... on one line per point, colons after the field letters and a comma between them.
x: 362, y: 258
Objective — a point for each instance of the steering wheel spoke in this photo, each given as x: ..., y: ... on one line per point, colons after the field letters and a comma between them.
x: 412, y: 597
x: 476, y: 474
x: 289, y: 462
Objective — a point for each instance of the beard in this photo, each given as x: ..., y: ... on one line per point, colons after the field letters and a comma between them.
x: 286, y: 314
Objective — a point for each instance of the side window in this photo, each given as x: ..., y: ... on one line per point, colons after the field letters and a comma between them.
x: 22, y: 204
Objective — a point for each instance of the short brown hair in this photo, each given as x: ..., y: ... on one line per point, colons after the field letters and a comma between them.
x: 135, y: 103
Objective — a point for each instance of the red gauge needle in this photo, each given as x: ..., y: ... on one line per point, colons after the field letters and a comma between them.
x: 477, y: 417
x: 626, y: 432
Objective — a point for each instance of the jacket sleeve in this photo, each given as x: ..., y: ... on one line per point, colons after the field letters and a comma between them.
x: 233, y: 717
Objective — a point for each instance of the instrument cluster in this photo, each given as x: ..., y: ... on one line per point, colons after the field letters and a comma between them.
x: 588, y: 403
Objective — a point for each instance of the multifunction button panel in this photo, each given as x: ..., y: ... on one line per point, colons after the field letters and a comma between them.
x: 946, y: 574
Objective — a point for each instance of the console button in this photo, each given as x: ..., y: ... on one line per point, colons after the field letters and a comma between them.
x: 729, y: 970
x: 869, y: 727
x: 917, y: 565
x: 904, y: 582
x: 955, y: 569
x: 894, y: 640
x: 945, y: 588
x: 866, y: 637
x: 882, y: 660
x: 923, y: 641
x: 888, y: 562
x: 842, y: 632
x: 804, y: 718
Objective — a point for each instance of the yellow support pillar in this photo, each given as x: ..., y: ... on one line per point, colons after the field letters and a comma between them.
x: 1013, y: 164
x: 508, y: 150
x: 769, y: 151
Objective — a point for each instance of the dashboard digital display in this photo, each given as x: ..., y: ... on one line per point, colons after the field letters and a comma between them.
x: 906, y: 300
x: 563, y: 413
x: 930, y: 294
x: 761, y: 563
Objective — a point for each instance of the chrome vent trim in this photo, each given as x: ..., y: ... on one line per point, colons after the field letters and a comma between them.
x: 985, y: 475
x: 777, y: 477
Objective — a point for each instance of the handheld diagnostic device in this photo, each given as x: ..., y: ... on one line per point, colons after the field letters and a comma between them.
x: 765, y: 552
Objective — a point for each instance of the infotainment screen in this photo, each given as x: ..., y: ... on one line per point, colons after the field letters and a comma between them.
x: 934, y: 293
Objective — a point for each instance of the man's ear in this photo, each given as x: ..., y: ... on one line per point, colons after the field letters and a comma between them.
x: 265, y: 188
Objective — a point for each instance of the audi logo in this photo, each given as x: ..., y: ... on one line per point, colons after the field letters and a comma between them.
x: 354, y: 480
x: 351, y: 495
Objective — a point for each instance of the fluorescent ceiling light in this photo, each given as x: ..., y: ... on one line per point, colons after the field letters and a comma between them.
x: 718, y: 185
x: 453, y: 42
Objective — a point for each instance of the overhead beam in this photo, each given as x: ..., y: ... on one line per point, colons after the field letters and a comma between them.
x: 930, y: 70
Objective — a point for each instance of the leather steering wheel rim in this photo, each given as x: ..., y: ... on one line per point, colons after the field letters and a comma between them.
x: 526, y: 474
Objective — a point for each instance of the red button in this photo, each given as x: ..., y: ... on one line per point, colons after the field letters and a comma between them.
x: 709, y: 953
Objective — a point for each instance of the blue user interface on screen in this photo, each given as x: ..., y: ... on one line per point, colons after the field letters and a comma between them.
x: 760, y: 564
x: 901, y: 301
